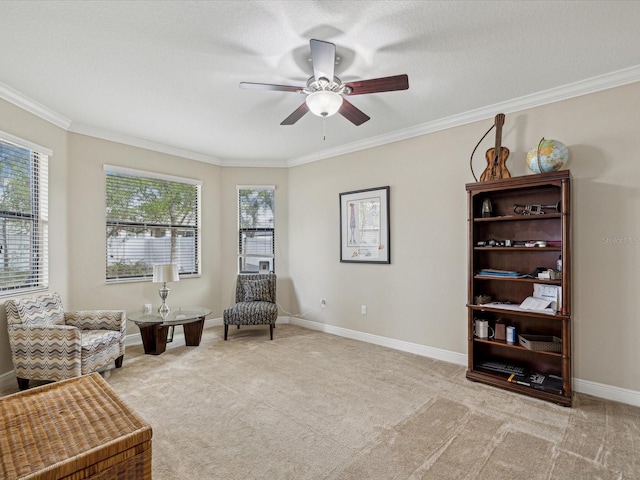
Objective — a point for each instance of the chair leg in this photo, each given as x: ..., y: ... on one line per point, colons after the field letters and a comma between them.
x: 226, y: 330
x: 23, y: 383
x: 119, y: 361
x: 238, y: 326
x: 271, y: 330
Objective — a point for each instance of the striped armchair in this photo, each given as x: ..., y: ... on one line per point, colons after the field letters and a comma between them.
x: 48, y: 343
x: 255, y: 303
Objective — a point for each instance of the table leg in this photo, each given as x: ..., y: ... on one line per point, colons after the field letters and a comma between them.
x: 154, y: 338
x: 193, y: 333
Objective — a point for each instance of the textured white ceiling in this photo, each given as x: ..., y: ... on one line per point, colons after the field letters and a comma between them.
x: 165, y: 74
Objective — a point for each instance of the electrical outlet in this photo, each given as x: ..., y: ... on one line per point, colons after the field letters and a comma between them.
x: 147, y: 308
x: 363, y: 309
x: 323, y: 303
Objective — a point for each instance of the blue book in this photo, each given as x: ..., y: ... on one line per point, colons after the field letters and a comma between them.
x: 499, y: 273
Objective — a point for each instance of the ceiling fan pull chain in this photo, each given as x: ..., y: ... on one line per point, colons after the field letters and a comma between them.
x: 324, y: 128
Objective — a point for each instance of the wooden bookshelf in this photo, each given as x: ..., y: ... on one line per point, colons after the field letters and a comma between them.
x: 554, y: 226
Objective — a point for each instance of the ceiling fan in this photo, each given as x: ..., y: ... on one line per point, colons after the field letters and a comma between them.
x: 325, y: 92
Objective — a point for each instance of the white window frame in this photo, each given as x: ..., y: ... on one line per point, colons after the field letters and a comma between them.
x: 38, y: 245
x: 197, y: 230
x: 243, y: 257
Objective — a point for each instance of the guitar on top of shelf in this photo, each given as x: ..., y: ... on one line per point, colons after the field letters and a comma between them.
x: 497, y: 156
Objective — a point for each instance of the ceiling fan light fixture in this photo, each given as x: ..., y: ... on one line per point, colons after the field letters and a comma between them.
x: 324, y: 103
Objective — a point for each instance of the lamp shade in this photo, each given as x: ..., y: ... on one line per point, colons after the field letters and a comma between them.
x: 324, y: 103
x: 165, y: 273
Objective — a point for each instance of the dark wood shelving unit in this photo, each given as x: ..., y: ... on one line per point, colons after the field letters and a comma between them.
x: 547, y: 189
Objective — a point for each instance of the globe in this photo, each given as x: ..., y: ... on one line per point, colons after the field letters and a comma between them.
x: 553, y: 156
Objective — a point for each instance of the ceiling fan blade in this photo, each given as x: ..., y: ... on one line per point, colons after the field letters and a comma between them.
x: 385, y: 84
x: 323, y: 57
x: 269, y: 86
x: 297, y: 114
x: 353, y: 114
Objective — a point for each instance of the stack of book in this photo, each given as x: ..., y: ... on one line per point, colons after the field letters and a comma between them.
x: 499, y: 273
x: 540, y: 381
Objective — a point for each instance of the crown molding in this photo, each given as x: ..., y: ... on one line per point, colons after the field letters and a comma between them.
x: 576, y: 89
x: 103, y: 134
x: 13, y: 96
x: 565, y: 92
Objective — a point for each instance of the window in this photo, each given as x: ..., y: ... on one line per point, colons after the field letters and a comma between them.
x: 24, y: 252
x: 256, y: 230
x: 150, y: 219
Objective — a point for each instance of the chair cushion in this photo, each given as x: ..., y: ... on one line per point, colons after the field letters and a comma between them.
x: 43, y: 309
x: 251, y: 313
x: 257, y: 291
x: 95, y: 340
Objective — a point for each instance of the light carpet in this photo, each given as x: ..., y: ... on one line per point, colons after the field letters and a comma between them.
x: 309, y: 405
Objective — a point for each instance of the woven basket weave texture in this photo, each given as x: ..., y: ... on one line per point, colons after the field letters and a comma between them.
x: 73, y: 429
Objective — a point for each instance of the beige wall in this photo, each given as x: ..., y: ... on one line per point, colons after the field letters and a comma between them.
x: 87, y: 284
x: 420, y: 297
x: 231, y: 177
x: 19, y: 123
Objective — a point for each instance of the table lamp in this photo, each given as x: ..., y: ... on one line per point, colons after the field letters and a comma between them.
x: 163, y: 274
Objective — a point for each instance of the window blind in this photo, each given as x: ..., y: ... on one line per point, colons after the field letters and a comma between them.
x: 150, y: 219
x: 256, y: 227
x: 24, y: 214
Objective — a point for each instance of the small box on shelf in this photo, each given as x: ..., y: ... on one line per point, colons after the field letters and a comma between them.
x: 544, y: 343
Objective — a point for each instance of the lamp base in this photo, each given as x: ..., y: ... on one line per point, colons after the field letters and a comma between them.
x: 164, y: 308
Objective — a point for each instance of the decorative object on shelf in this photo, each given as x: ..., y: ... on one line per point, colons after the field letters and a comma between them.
x: 482, y: 329
x: 548, y: 156
x: 511, y: 334
x: 501, y: 330
x: 364, y: 226
x: 543, y: 343
x: 482, y: 299
x: 534, y: 209
x: 496, y: 157
x: 163, y: 274
x: 487, y: 208
x: 549, y: 274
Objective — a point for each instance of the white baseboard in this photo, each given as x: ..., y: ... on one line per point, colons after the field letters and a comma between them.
x: 422, y: 350
x: 608, y: 392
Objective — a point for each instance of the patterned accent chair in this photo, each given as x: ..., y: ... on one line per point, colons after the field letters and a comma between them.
x: 255, y: 303
x: 48, y: 343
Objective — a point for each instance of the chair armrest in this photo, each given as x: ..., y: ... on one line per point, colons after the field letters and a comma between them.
x: 27, y: 339
x: 97, y: 320
x: 45, y: 352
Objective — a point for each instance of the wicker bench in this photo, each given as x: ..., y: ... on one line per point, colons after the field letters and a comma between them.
x: 73, y: 429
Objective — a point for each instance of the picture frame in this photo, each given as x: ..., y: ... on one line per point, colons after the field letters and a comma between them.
x: 365, y: 235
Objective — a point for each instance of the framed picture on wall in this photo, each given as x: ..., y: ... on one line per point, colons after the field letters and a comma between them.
x: 364, y: 226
